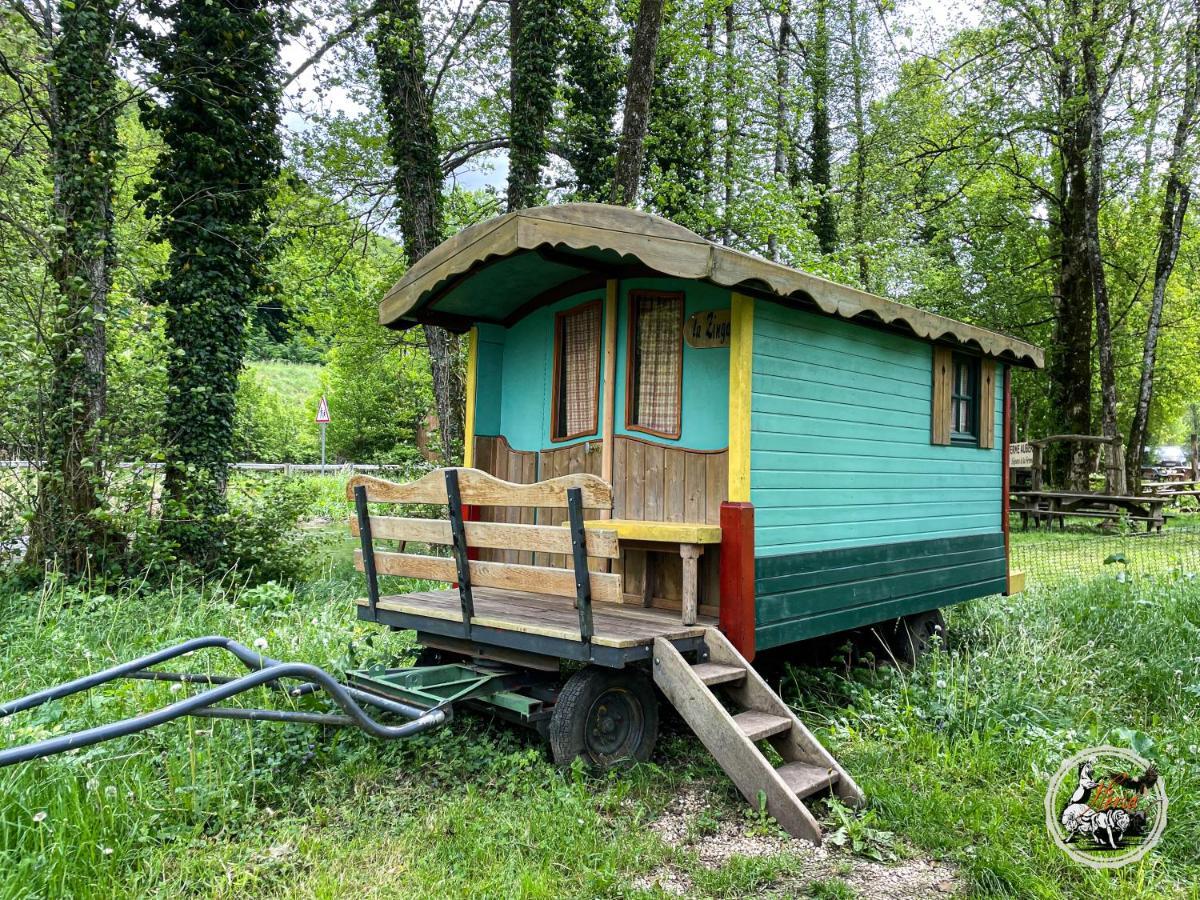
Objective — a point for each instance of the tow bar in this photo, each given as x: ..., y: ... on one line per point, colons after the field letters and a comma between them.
x: 264, y: 671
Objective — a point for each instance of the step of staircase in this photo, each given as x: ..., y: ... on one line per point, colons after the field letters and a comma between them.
x: 805, y: 779
x: 715, y: 673
x: 760, y: 714
x: 757, y: 725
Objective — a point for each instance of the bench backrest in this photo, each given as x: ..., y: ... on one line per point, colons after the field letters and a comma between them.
x: 457, y: 488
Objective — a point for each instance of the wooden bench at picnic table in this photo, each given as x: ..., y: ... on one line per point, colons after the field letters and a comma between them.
x: 1050, y: 505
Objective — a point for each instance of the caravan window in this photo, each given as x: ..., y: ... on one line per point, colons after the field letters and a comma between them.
x: 576, y: 372
x: 964, y: 399
x: 654, y: 380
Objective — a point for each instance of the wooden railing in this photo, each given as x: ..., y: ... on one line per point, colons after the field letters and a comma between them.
x: 461, y: 489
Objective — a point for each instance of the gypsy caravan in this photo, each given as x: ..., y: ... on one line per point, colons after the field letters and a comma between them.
x: 678, y: 456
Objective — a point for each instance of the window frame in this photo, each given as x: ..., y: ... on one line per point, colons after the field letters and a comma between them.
x: 631, y: 358
x: 974, y: 364
x: 557, y: 385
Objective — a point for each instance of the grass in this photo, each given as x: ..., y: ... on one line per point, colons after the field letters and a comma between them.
x: 954, y: 757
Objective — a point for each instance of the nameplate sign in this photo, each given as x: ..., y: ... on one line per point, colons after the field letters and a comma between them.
x: 708, y: 329
x: 1020, y: 456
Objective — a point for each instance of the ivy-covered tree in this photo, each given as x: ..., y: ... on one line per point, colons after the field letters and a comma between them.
x: 217, y: 70
x: 592, y: 86
x: 69, y: 528
x: 400, y: 63
x: 639, y: 86
x: 820, y: 173
x: 534, y: 32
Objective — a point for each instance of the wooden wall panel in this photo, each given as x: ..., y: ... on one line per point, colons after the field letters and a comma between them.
x: 651, y: 481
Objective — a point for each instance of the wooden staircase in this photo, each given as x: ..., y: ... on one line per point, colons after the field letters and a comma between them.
x: 732, y: 738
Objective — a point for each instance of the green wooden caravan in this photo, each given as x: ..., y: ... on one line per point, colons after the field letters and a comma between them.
x: 677, y: 456
x: 839, y: 457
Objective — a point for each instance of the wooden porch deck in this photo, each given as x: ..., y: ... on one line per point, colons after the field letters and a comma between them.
x: 616, y: 625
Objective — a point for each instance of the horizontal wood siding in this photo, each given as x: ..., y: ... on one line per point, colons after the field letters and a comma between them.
x: 840, y: 448
x: 804, y: 595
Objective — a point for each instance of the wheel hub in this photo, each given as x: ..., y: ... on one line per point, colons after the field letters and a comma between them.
x: 614, y: 724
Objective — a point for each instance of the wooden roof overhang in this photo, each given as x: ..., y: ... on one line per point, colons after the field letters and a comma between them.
x: 536, y: 256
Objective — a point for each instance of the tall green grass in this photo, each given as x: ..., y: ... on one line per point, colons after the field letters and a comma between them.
x: 954, y: 757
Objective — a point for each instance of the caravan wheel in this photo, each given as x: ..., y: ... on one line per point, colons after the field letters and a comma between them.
x: 607, y: 717
x: 915, y: 635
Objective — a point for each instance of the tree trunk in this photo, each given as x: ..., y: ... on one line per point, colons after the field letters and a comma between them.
x: 709, y: 109
x: 533, y: 41
x: 83, y: 104
x: 824, y: 220
x: 1097, y: 87
x: 638, y: 88
x: 858, y: 63
x: 1176, y: 197
x: 782, y: 127
x: 592, y: 88
x: 1070, y: 367
x: 400, y: 60
x: 731, y: 126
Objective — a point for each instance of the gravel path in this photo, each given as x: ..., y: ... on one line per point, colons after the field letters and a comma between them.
x: 699, y: 822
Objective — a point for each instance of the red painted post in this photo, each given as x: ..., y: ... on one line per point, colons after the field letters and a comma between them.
x: 470, y: 514
x: 737, y: 575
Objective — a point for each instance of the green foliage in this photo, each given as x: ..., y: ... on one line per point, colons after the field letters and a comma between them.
x: 679, y: 142
x: 534, y: 58
x: 218, y: 70
x: 592, y: 80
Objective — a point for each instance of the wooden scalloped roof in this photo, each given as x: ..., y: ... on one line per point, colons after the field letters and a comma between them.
x: 542, y: 252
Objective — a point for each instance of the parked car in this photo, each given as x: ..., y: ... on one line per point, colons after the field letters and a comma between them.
x: 1166, y: 464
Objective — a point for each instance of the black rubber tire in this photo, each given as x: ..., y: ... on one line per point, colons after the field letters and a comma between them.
x: 912, y: 636
x: 607, y: 717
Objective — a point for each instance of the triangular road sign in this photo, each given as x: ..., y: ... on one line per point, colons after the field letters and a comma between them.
x: 323, y: 410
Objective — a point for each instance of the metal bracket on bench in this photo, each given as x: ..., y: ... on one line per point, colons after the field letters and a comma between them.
x: 458, y: 534
x: 583, y: 578
x: 368, y: 546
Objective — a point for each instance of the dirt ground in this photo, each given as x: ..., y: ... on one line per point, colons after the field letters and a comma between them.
x: 687, y: 827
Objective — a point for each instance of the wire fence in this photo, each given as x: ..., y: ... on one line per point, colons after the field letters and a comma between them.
x: 1053, y: 557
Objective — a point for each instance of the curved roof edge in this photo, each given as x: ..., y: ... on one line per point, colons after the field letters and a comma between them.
x: 674, y: 251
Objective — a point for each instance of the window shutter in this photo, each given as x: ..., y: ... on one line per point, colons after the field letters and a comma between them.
x: 987, y: 404
x: 943, y: 372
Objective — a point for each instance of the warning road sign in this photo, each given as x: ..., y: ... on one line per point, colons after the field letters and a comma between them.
x: 323, y: 411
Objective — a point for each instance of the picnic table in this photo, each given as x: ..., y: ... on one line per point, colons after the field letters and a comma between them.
x: 1188, y: 487
x: 1047, y: 506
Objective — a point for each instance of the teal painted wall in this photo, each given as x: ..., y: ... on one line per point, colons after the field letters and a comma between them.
x: 839, y: 448
x: 516, y: 371
x: 489, y: 379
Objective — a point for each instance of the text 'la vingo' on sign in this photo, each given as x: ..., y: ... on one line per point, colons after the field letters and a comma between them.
x: 323, y: 411
x: 707, y: 329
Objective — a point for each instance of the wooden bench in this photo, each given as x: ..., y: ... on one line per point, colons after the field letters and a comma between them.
x: 459, y: 490
x: 1062, y: 516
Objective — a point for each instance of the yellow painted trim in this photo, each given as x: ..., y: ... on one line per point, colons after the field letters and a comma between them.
x: 1016, y: 582
x: 469, y: 414
x: 741, y: 351
x: 662, y: 532
x: 608, y: 413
